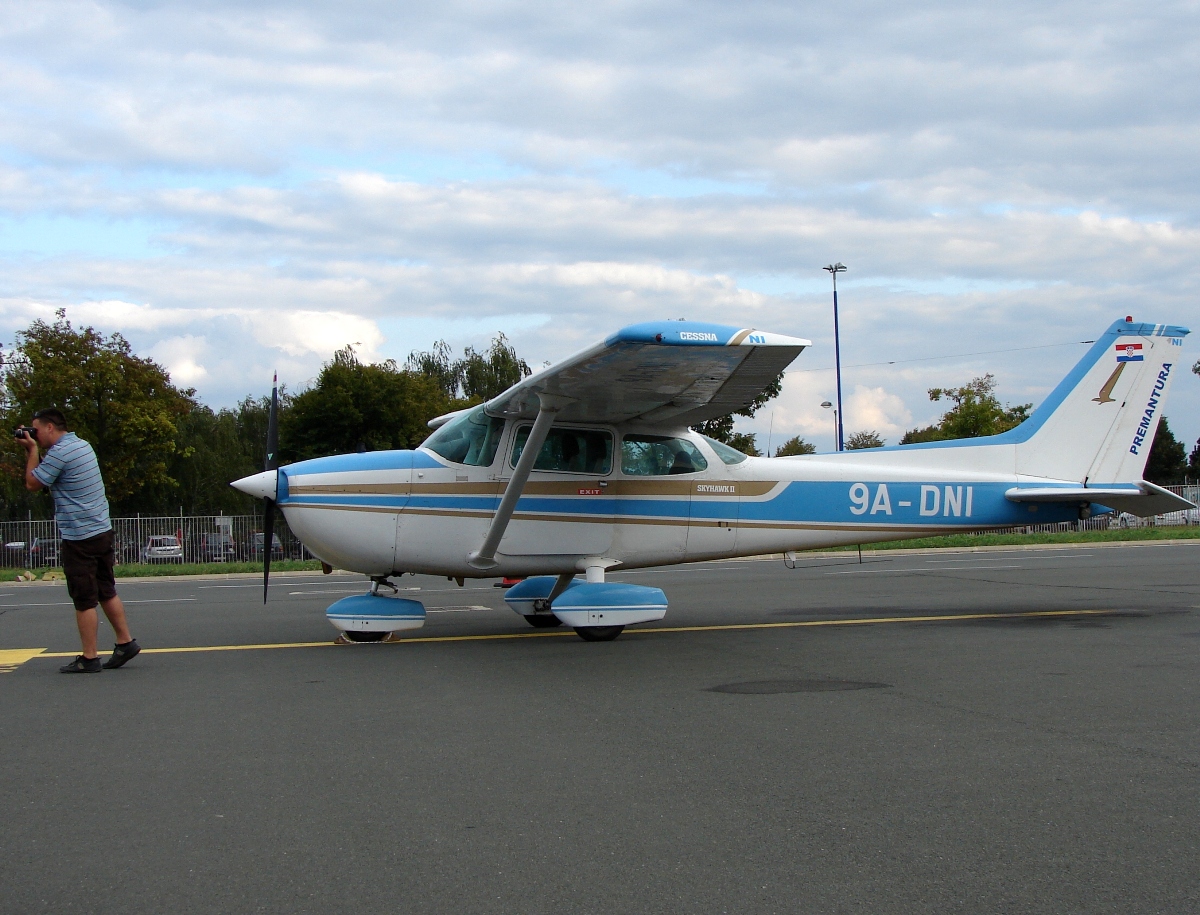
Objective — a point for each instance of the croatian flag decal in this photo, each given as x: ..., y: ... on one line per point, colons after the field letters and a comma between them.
x: 1129, y: 352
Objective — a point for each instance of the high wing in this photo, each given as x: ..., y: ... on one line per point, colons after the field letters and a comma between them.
x: 674, y: 373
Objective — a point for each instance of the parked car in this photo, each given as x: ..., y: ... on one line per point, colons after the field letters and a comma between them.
x: 44, y: 551
x: 256, y: 546
x: 127, y: 550
x: 16, y: 553
x: 217, y: 548
x: 162, y: 549
x: 1124, y: 520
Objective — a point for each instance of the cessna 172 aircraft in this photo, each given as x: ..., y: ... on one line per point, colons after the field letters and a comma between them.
x: 590, y: 465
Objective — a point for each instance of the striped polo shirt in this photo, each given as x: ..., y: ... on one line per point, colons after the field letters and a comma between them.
x: 70, y: 470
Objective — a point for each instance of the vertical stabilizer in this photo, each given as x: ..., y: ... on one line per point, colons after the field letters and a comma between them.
x: 1098, y: 425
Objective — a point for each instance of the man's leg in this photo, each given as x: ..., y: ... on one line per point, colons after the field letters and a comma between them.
x: 87, y: 622
x: 114, y: 609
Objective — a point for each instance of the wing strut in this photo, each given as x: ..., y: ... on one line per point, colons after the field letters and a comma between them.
x: 549, y: 405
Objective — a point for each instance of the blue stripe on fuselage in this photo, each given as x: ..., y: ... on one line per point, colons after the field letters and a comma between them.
x: 869, y: 502
x: 863, y: 503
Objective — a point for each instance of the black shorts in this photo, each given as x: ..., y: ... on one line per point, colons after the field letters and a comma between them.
x: 88, y: 565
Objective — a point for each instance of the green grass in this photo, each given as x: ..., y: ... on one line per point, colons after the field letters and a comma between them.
x: 952, y: 541
x: 959, y: 541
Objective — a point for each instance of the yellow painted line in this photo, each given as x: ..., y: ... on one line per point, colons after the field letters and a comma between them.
x: 883, y: 619
x: 195, y: 648
x: 12, y: 658
x: 26, y: 654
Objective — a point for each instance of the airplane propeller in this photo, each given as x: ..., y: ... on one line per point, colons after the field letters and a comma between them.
x: 270, y: 462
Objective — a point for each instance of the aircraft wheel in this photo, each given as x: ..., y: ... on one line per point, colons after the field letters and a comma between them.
x: 598, y: 633
x: 360, y: 636
x: 543, y: 620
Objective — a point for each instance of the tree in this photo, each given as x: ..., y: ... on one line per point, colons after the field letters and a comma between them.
x: 860, y: 440
x: 485, y: 375
x: 745, y: 442
x: 721, y: 428
x: 976, y: 412
x: 475, y: 377
x: 1193, y: 469
x: 438, y: 366
x: 795, y: 445
x: 217, y: 447
x: 124, y: 405
x: 1167, y: 461
x: 357, y: 407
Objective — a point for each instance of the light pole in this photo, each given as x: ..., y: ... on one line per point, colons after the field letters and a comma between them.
x: 826, y: 404
x: 834, y: 270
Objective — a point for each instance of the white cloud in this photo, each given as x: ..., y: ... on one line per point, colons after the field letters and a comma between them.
x: 180, y: 355
x: 874, y: 409
x: 319, y: 333
x: 288, y: 179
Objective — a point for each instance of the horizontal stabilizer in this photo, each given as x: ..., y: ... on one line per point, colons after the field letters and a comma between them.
x: 1143, y: 499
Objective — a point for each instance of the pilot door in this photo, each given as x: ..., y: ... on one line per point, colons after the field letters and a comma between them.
x: 566, y: 506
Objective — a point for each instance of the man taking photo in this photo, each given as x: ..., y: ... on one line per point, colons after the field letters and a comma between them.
x: 70, y: 471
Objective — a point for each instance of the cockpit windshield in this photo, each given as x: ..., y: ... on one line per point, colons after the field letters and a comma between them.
x: 468, y: 439
x: 725, y: 452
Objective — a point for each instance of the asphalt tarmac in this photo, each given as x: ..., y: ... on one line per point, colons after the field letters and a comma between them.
x: 998, y: 731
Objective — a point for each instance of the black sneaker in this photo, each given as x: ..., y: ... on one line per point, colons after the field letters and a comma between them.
x: 122, y: 654
x: 81, y: 665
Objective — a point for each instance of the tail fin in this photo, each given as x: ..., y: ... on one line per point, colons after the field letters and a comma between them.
x: 1098, y: 425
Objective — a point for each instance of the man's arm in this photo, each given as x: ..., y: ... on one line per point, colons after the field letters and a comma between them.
x: 32, y: 459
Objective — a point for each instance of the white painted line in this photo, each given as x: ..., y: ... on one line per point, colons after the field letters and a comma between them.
x: 358, y: 590
x: 157, y: 600
x: 282, y: 581
x: 950, y: 561
x: 919, y: 571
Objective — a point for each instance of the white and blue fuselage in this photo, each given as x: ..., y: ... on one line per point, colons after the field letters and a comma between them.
x: 615, y: 478
x: 416, y: 511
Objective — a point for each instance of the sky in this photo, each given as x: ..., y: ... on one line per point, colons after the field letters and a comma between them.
x: 243, y: 188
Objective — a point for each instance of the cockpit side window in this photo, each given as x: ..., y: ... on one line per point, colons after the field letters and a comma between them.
x: 469, y: 439
x: 659, y: 455
x: 569, y: 450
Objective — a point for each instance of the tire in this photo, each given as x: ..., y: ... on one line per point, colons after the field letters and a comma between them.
x: 598, y: 633
x: 543, y: 620
x: 365, y: 636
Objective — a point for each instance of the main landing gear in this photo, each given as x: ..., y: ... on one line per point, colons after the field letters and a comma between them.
x: 598, y: 633
x: 597, y: 610
x: 543, y: 620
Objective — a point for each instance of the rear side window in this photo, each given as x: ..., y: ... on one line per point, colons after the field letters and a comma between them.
x: 659, y: 455
x: 569, y: 450
x: 469, y: 439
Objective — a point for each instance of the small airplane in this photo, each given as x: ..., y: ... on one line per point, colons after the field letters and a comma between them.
x: 591, y: 465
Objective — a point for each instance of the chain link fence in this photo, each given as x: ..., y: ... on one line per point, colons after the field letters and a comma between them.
x: 172, y: 539
x: 239, y: 538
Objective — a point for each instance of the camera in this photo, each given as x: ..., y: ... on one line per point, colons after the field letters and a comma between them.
x: 22, y: 431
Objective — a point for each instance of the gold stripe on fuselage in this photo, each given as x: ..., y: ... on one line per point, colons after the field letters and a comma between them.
x: 653, y: 488
x: 580, y: 518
